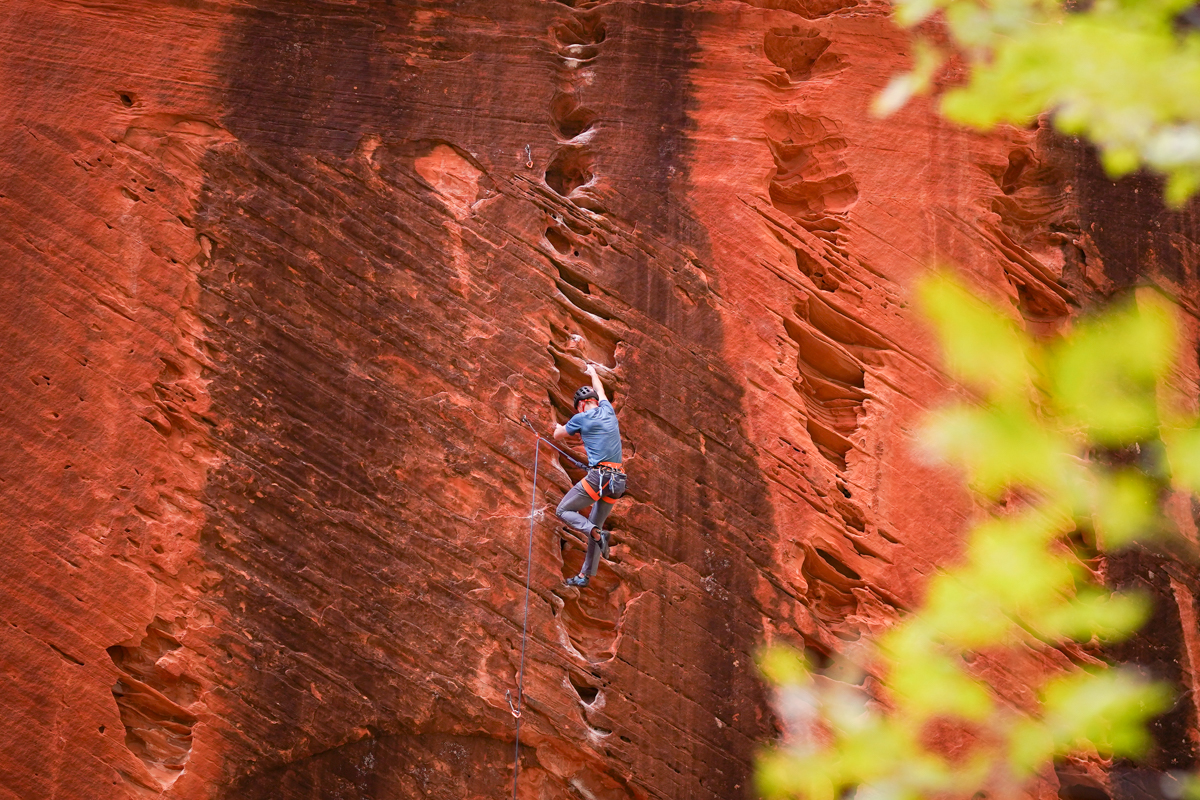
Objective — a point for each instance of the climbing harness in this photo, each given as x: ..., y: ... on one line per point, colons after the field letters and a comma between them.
x: 612, y: 478
x: 516, y: 710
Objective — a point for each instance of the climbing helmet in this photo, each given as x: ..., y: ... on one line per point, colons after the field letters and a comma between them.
x: 585, y: 393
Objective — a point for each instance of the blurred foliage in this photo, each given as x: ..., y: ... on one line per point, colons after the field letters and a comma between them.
x: 1125, y: 74
x: 1068, y: 445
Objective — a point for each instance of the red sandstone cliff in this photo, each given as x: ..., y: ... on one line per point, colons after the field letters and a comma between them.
x: 282, y: 278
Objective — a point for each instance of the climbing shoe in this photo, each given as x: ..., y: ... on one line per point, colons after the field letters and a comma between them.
x: 604, y: 544
x: 579, y: 580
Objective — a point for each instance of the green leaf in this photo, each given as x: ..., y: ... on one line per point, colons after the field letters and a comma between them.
x: 1125, y: 507
x: 784, y: 666
x: 1182, y: 183
x: 913, y: 12
x: 1106, y: 711
x: 1039, y: 442
x: 1183, y: 454
x: 1030, y: 746
x: 1191, y: 787
x: 1093, y: 613
x: 1010, y: 560
x: 1104, y: 375
x: 928, y: 683
x: 782, y: 774
x: 964, y: 613
x: 1118, y: 73
x: 1119, y: 161
x: 904, y: 86
x: 1000, y: 446
x: 981, y: 346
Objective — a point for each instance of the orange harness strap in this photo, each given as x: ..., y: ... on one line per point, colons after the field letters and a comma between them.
x: 587, y: 487
x: 592, y: 493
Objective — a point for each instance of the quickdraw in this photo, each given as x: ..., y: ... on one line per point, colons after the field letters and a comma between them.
x: 605, y: 476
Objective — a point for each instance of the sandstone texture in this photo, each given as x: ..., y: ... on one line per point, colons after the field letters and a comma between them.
x: 282, y: 279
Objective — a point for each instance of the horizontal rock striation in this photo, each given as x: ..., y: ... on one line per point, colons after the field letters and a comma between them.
x: 285, y: 277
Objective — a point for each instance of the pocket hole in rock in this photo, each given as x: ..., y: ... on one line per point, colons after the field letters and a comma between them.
x: 1018, y: 162
x: 125, y: 99
x: 581, y: 30
x: 837, y: 564
x: 569, y: 170
x: 573, y: 279
x: 818, y: 657
x: 570, y: 119
x: 795, y: 51
x: 559, y: 242
x: 587, y: 694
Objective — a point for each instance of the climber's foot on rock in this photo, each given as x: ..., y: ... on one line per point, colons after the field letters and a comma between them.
x: 579, y: 580
x: 604, y: 544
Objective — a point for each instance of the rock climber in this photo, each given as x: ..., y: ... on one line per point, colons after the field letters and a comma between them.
x: 596, y: 423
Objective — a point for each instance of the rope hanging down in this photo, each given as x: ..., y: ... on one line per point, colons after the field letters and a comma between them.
x: 516, y: 710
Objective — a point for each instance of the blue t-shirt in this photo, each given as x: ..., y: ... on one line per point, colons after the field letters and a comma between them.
x: 601, y: 435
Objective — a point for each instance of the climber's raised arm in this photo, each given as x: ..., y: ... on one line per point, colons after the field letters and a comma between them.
x: 595, y: 421
x: 596, y: 384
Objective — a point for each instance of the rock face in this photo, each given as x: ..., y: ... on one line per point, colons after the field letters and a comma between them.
x: 285, y: 276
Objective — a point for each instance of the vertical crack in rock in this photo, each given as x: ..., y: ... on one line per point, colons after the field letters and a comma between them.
x: 1034, y: 223
x: 153, y: 697
x: 592, y: 619
x: 578, y: 42
x: 837, y: 365
x: 833, y: 349
x: 811, y: 183
x: 813, y: 186
x: 265, y: 438
x: 832, y: 384
x: 392, y: 286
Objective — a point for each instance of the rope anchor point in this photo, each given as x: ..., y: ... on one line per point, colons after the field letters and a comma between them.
x: 516, y: 712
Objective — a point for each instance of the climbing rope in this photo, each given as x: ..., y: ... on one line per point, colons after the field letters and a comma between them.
x: 576, y: 462
x: 516, y: 710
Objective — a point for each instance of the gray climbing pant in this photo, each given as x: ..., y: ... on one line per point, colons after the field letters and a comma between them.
x: 568, y: 511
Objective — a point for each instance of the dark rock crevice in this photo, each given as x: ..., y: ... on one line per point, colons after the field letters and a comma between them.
x: 379, y: 327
